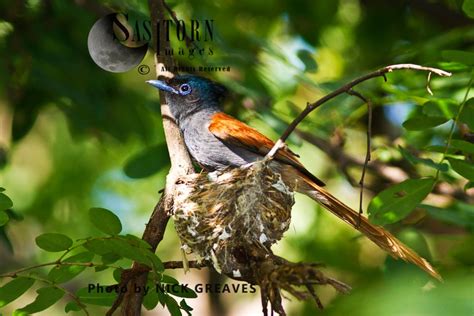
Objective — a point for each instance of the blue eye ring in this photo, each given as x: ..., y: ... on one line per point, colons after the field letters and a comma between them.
x: 185, y: 89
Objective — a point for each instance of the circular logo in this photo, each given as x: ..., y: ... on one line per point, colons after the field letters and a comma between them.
x: 106, y: 49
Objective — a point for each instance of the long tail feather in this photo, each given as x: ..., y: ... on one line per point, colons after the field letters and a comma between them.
x: 377, y: 234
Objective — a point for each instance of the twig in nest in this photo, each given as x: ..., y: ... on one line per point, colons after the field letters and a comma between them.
x: 275, y: 274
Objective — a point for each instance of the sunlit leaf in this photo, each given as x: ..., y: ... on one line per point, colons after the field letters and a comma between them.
x: 468, y: 8
x: 440, y: 108
x: 53, y: 242
x: 422, y: 122
x: 464, y: 168
x: 396, y: 202
x: 425, y: 161
x: 4, y: 218
x: 14, y: 289
x: 463, y: 146
x: 5, y: 202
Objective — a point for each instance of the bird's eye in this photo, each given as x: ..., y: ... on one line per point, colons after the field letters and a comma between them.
x: 184, y: 89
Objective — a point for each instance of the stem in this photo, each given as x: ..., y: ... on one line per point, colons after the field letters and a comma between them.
x: 455, y: 122
x: 344, y: 89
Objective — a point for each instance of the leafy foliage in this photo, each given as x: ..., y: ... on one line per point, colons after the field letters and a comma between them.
x: 69, y: 266
x: 77, y: 136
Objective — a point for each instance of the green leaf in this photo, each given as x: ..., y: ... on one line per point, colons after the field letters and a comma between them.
x: 307, y: 58
x: 105, y: 220
x: 469, y: 185
x: 147, y: 162
x: 453, y: 66
x: 439, y: 149
x: 184, y: 306
x: 47, y: 296
x: 460, y: 214
x: 117, y: 274
x: 172, y: 306
x: 467, y: 114
x: 168, y: 279
x: 98, y: 246
x: 14, y: 289
x: 157, y: 263
x: 425, y: 161
x: 151, y: 298
x: 122, y: 247
x: 102, y: 295
x: 468, y: 8
x: 100, y: 268
x: 138, y: 242
x: 181, y: 291
x: 5, y: 202
x: 463, y: 146
x: 72, y: 307
x: 64, y: 273
x: 440, y: 108
x: 460, y: 56
x: 422, y: 122
x: 396, y: 202
x: 110, y: 258
x: 464, y: 168
x: 53, y: 242
x: 4, y: 218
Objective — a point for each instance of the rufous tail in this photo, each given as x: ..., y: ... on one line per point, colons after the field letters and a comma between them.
x: 377, y: 234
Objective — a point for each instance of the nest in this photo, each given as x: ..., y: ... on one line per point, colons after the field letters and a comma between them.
x: 231, y: 218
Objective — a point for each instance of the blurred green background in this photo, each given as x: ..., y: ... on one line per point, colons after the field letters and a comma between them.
x: 73, y: 136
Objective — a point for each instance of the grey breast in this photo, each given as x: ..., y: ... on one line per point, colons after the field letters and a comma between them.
x: 208, y: 150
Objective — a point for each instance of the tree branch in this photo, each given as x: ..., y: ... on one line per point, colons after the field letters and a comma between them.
x: 180, y: 165
x: 345, y: 89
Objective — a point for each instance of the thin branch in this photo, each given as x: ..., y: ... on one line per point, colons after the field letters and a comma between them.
x: 344, y: 89
x: 455, y: 121
x: 180, y: 165
x: 175, y: 19
x: 391, y: 174
x: 14, y: 274
x: 367, y: 155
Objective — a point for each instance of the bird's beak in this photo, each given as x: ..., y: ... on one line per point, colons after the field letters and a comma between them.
x: 162, y: 86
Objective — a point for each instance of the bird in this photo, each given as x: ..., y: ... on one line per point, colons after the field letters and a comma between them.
x: 216, y: 141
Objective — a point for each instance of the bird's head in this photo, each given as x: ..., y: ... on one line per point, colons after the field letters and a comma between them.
x: 187, y: 94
